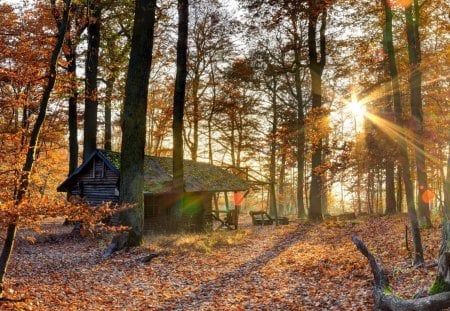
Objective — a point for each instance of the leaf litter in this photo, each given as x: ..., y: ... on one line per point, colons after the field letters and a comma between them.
x: 293, y: 267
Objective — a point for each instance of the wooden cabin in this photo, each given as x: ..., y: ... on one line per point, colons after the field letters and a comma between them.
x: 97, y: 181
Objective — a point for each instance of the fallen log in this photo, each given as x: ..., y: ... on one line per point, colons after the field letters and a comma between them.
x: 148, y: 258
x: 386, y: 300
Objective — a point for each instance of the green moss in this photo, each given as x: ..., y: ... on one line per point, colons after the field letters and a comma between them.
x: 388, y: 291
x: 439, y: 286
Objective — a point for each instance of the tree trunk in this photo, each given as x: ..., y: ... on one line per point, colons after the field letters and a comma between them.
x: 195, y: 117
x: 108, y: 103
x: 33, y: 142
x: 282, y: 179
x: 301, y: 213
x: 399, y: 189
x: 390, y: 188
x: 134, y: 119
x: 403, y: 152
x: 442, y: 282
x: 91, y: 68
x: 412, y: 17
x: 71, y: 58
x: 211, y: 114
x: 316, y: 69
x: 447, y: 182
x: 273, y: 151
x: 232, y: 143
x: 178, y: 109
x: 358, y: 186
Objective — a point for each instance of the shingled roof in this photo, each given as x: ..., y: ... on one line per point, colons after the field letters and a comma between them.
x: 198, y: 176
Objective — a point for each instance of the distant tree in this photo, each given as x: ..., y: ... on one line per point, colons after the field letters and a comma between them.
x: 134, y: 120
x: 209, y: 46
x: 237, y: 108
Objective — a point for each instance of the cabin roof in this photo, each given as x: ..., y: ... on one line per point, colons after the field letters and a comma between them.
x: 198, y: 176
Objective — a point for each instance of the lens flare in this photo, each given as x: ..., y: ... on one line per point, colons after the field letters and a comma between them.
x: 399, y: 3
x: 428, y: 196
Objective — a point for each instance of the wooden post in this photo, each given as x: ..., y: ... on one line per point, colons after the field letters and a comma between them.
x: 216, y: 205
x: 227, y: 203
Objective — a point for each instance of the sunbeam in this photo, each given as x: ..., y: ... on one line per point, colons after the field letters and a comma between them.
x: 400, y: 134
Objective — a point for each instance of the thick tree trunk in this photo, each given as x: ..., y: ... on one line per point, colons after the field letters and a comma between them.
x: 412, y: 17
x: 33, y: 142
x: 442, y: 282
x: 403, y: 151
x: 316, y: 67
x: 134, y: 120
x: 178, y: 109
x: 385, y: 300
x: 91, y: 68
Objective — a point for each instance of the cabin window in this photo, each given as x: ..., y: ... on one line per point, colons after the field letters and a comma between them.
x: 98, y: 168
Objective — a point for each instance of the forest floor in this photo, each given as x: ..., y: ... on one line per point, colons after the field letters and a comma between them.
x: 291, y: 267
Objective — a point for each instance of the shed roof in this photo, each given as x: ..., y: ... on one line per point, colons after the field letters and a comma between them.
x: 198, y: 176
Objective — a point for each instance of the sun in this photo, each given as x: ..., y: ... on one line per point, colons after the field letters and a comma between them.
x: 356, y: 108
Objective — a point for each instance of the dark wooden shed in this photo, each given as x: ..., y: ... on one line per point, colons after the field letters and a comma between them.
x: 97, y: 181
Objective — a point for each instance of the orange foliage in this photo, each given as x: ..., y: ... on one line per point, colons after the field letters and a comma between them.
x: 25, y: 45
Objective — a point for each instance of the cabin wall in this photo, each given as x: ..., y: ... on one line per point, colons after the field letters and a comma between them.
x: 97, y: 184
x: 196, y: 213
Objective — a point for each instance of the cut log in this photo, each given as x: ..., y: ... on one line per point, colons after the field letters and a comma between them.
x: 386, y: 300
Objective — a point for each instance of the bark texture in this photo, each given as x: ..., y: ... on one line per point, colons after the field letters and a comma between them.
x: 443, y: 274
x: 178, y: 108
x: 91, y: 67
x: 388, y: 45
x: 316, y: 66
x: 385, y: 300
x: 134, y: 120
x: 412, y: 16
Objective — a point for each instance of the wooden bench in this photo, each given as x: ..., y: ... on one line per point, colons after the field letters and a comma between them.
x: 261, y: 218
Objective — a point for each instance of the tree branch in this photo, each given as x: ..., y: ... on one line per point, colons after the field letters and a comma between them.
x: 386, y: 300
